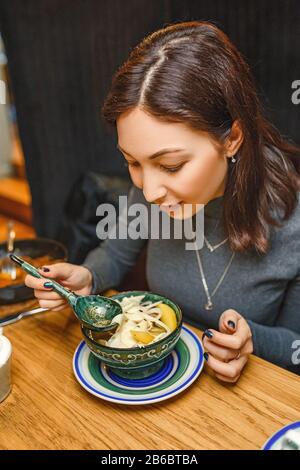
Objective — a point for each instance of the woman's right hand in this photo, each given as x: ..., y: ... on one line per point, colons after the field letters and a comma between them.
x: 76, y: 278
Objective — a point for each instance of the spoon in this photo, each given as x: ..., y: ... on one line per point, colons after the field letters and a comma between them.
x: 93, y: 311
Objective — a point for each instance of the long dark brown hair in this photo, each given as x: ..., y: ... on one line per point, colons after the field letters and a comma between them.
x: 191, y: 73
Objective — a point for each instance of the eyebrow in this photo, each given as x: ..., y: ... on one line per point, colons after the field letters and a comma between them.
x: 156, y: 154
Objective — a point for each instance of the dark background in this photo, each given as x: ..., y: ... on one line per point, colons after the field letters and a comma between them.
x: 63, y: 53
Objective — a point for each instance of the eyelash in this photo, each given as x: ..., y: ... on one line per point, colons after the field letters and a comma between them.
x: 168, y: 170
x: 173, y: 169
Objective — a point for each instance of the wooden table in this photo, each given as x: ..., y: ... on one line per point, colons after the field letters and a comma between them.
x: 48, y: 409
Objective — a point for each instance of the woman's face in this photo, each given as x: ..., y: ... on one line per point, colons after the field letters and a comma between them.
x: 173, y: 164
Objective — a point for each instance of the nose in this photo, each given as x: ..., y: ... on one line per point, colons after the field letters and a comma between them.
x: 153, y: 189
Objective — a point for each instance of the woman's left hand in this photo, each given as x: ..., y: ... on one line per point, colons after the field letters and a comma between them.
x: 228, y: 349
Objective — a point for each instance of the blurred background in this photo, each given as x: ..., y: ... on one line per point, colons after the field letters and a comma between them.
x: 58, y: 161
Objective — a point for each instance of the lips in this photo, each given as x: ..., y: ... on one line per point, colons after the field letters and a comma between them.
x: 170, y: 207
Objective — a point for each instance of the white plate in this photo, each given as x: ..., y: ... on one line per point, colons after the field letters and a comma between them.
x: 274, y: 442
x: 180, y: 370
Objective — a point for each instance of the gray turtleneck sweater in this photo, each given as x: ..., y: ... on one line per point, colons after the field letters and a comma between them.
x: 265, y: 289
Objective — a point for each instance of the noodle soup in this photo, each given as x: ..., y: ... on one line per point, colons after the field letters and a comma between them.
x: 148, y: 330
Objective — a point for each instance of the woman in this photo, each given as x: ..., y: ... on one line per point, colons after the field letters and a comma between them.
x: 190, y: 126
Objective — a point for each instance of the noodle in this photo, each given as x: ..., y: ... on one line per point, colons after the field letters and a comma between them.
x: 139, y: 324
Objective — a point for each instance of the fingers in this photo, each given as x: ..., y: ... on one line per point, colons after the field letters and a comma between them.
x: 46, y: 297
x: 235, y: 340
x: 34, y: 283
x: 228, y: 321
x: 57, y: 271
x: 46, y: 294
x: 227, y: 379
x: 225, y: 340
x: 223, y: 354
x: 228, y: 349
x: 42, y: 287
x: 226, y: 354
x: 54, y: 305
x: 58, y: 309
x: 231, y: 371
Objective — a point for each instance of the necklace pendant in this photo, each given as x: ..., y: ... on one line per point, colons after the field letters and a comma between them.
x: 208, y: 306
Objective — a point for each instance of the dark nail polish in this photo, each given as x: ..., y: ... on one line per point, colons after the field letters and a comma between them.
x: 206, y: 356
x: 208, y: 333
x: 231, y: 324
x: 46, y: 270
x: 48, y: 285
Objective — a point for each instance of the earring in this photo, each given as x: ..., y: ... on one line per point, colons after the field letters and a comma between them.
x: 233, y: 160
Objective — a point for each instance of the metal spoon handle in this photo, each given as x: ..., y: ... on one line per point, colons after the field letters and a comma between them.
x: 28, y: 268
x: 9, y: 319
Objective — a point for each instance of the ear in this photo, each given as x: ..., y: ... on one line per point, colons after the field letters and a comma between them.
x: 234, y: 140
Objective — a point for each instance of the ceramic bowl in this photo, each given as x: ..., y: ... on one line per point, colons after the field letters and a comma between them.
x: 137, y: 362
